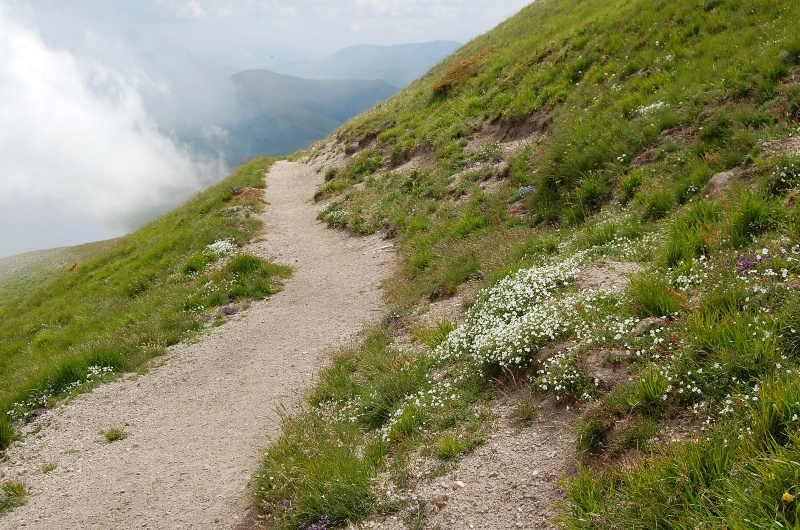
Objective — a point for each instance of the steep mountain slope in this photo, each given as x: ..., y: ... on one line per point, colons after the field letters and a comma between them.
x: 398, y: 65
x: 285, y: 113
x: 610, y: 187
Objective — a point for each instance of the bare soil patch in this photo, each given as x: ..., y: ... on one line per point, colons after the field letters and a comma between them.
x: 677, y: 135
x: 608, y: 276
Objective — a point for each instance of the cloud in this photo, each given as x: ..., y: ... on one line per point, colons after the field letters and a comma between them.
x: 78, y: 142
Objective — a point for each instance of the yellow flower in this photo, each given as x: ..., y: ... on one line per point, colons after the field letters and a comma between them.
x: 787, y: 497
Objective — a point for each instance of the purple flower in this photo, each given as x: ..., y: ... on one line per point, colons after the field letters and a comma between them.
x: 744, y: 264
x: 321, y: 524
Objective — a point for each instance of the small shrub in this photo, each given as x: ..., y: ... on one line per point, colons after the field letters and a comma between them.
x: 590, y: 433
x: 365, y: 163
x: 716, y: 130
x: 458, y: 73
x: 599, y: 234
x: 196, y: 264
x: 451, y: 445
x: 682, y: 250
x: 628, y: 185
x: 114, y: 434
x: 549, y: 244
x: 593, y: 192
x: 652, y: 389
x: 331, y: 173
x: 467, y: 225
x: 420, y: 260
x: 788, y: 323
x: 633, y: 434
x: 526, y: 411
x: 435, y: 335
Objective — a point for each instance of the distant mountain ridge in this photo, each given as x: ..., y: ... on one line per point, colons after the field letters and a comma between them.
x: 294, y: 104
x: 286, y: 113
x: 398, y: 65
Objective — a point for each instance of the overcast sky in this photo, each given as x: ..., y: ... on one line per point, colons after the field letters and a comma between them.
x: 94, y: 95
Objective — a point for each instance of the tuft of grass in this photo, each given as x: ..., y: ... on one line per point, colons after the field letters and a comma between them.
x: 114, y: 434
x: 436, y: 334
x: 451, y: 445
x: 752, y: 215
x: 656, y: 205
x: 590, y: 433
x: 6, y: 432
x: 628, y: 185
x: 526, y: 411
x: 314, y: 472
x: 13, y: 493
x: 651, y: 295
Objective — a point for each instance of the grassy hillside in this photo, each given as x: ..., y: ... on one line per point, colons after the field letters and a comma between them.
x: 125, y: 304
x: 25, y: 272
x: 660, y: 135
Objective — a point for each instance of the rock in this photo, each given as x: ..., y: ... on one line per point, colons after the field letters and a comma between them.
x: 439, y: 500
x: 457, y: 485
x: 647, y: 324
x: 431, y: 510
x: 721, y: 182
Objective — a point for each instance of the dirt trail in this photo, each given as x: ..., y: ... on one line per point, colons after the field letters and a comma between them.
x: 196, y: 423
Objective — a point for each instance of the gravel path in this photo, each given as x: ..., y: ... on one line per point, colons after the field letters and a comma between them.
x: 197, y: 421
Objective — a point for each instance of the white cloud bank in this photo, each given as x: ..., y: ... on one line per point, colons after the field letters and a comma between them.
x: 77, y: 145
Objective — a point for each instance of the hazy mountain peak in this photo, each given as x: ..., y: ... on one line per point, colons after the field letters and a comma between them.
x: 398, y: 64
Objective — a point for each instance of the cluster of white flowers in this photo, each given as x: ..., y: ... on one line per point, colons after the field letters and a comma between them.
x: 335, y: 215
x: 519, y: 314
x: 221, y: 247
x: 562, y: 376
x: 788, y: 175
x: 27, y: 410
x: 652, y: 107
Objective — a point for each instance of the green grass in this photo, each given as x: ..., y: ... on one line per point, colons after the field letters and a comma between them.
x: 12, y: 495
x: 314, y: 472
x: 114, y: 434
x: 147, y: 291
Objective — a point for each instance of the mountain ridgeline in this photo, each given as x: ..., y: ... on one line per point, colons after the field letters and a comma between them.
x: 398, y: 65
